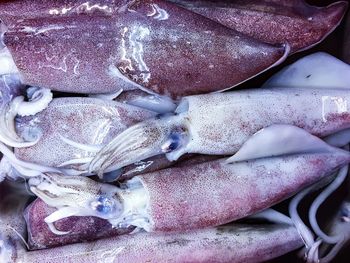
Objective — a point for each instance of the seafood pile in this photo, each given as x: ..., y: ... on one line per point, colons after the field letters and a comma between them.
x: 126, y: 135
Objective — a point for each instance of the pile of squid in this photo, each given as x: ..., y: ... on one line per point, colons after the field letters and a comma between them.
x: 125, y: 135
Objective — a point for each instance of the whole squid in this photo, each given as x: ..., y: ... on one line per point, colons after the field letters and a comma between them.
x: 293, y: 21
x: 172, y: 199
x: 154, y: 45
x: 220, y: 123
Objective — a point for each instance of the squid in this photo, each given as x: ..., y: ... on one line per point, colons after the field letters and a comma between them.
x: 243, y: 243
x: 172, y: 199
x: 41, y: 235
x: 154, y: 45
x: 218, y: 124
x: 295, y: 22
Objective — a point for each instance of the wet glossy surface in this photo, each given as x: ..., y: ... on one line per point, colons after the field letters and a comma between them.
x: 152, y: 43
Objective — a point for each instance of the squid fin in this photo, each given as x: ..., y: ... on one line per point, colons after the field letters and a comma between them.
x: 280, y: 139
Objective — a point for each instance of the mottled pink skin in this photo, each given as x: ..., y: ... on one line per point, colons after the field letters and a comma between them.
x: 213, y: 193
x: 80, y: 52
x: 83, y: 120
x: 81, y: 228
x: 226, y: 244
x: 277, y: 21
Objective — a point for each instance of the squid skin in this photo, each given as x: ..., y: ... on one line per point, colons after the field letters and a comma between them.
x: 138, y: 43
x: 219, y: 124
x: 81, y: 229
x: 279, y: 21
x: 85, y: 120
x: 243, y: 243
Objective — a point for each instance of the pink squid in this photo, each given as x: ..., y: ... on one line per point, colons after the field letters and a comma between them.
x: 89, y: 47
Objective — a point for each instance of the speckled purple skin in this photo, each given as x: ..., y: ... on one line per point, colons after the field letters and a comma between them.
x: 225, y: 244
x: 215, y: 193
x: 160, y: 46
x: 81, y: 228
x: 83, y: 120
x: 277, y: 21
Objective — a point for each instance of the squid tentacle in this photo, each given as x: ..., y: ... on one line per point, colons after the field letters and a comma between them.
x: 162, y: 136
x: 8, y: 134
x: 305, y: 233
x: 319, y: 200
x: 39, y: 99
x: 85, y: 147
x: 273, y: 216
x: 312, y: 245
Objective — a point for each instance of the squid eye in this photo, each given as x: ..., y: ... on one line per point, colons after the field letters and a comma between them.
x: 172, y: 143
x: 103, y: 205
